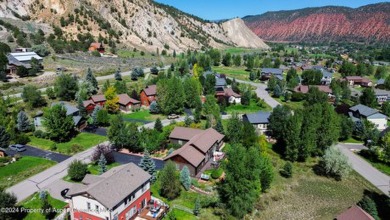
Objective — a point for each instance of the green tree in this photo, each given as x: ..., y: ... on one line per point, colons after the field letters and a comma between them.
x: 50, y: 93
x: 193, y: 90
x: 361, y: 69
x: 158, y: 125
x: 287, y: 170
x: 315, y: 96
x: 85, y: 90
x: 89, y: 77
x: 292, y: 136
x: 102, y: 164
x: 329, y: 130
x: 292, y: 78
x: 209, y: 85
x: 386, y: 108
x: 346, y: 128
x: 118, y: 75
x: 102, y: 117
x: 169, y: 182
x: 106, y: 85
x: 387, y: 83
x: 237, y: 60
x: 335, y: 163
x: 22, y: 71
x: 347, y: 69
x: 278, y: 120
x: 227, y: 59
x: 7, y: 202
x: 211, y: 109
x: 112, y: 100
x: 311, y: 77
x: 266, y: 172
x: 65, y: 87
x: 277, y: 63
x: 219, y: 127
x: 59, y: 126
x: 215, y: 56
x: 82, y: 110
x: 32, y: 96
x: 368, y: 98
x: 120, y: 87
x: 77, y: 170
x: 35, y: 67
x: 23, y: 123
x: 185, y: 178
x: 116, y: 126
x: 272, y: 82
x: 170, y: 95
x: 154, y: 108
x: 4, y: 137
x: 148, y: 165
x: 368, y: 205
x: 41, y: 50
x: 197, y: 207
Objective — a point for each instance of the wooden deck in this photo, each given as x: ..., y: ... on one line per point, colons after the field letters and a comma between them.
x: 147, y: 215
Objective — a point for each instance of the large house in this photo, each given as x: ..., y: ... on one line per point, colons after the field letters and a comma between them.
x: 120, y: 193
x: 259, y: 120
x: 305, y: 89
x: 228, y: 94
x: 354, y: 213
x: 197, y: 147
x: 382, y: 96
x: 360, y: 111
x: 148, y: 95
x: 266, y: 73
x: 98, y: 100
x: 16, y: 60
x: 358, y: 80
x: 127, y: 104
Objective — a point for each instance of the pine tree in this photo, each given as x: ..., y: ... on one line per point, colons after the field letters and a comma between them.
x: 158, y: 125
x: 94, y: 115
x: 83, y: 111
x: 219, y: 127
x: 185, y: 178
x: 147, y: 164
x: 197, y: 207
x: 118, y: 75
x: 106, y: 85
x: 23, y: 123
x: 91, y: 79
x: 4, y: 137
x: 187, y: 121
x: 102, y: 164
x: 208, y: 123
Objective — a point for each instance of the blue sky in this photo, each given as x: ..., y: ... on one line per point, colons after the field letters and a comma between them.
x: 221, y: 9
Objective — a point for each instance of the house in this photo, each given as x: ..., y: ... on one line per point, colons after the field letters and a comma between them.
x: 360, y: 111
x: 305, y: 89
x: 266, y: 73
x: 197, y: 147
x: 358, y: 80
x: 122, y: 192
x: 380, y: 84
x: 16, y: 60
x: 89, y: 105
x: 354, y: 213
x: 98, y: 100
x: 127, y: 104
x: 382, y: 96
x: 95, y: 46
x: 227, y: 94
x: 148, y: 95
x: 220, y: 82
x: 259, y: 120
x: 326, y: 77
x: 3, y: 152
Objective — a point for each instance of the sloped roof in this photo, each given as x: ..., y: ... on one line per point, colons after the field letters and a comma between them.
x: 377, y: 116
x: 274, y: 71
x: 98, y: 98
x: 25, y: 56
x: 305, y: 89
x: 220, y: 82
x: 380, y: 81
x: 150, y: 90
x: 354, y: 213
x: 113, y: 186
x: 125, y: 99
x: 363, y: 110
x: 88, y: 102
x: 194, y: 150
x: 257, y: 118
x: 229, y: 92
x: 70, y: 109
x: 184, y: 133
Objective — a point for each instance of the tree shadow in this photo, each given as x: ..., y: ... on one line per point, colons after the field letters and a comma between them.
x: 382, y: 203
x: 319, y: 170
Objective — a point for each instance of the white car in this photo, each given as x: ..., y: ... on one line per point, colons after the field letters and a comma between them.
x: 17, y: 147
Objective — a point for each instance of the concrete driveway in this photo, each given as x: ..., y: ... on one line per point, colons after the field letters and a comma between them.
x: 36, y: 152
x: 377, y: 178
x: 262, y: 92
x: 56, y: 187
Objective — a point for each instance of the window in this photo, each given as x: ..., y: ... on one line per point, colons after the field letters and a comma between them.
x: 97, y: 208
x: 88, y: 206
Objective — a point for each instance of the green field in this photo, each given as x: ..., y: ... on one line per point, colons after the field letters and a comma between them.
x: 84, y: 140
x: 234, y: 72
x: 35, y: 203
x: 242, y: 109
x: 143, y: 115
x: 240, y: 50
x: 22, y: 169
x: 309, y: 196
x: 291, y: 104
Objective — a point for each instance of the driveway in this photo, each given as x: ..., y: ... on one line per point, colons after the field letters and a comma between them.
x: 262, y: 92
x: 36, y: 152
x: 56, y: 187
x: 123, y: 158
x: 374, y: 176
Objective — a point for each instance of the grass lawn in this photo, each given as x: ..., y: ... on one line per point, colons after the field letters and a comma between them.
x: 22, y: 169
x: 85, y: 140
x: 236, y: 72
x: 291, y: 104
x: 252, y: 107
x: 144, y: 115
x: 179, y: 214
x: 92, y: 169
x: 352, y: 140
x: 307, y: 195
x: 239, y: 50
x: 35, y: 203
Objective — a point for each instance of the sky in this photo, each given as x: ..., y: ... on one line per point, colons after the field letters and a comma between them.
x: 224, y: 9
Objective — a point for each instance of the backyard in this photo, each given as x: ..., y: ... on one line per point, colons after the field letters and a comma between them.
x: 252, y: 107
x: 22, y: 169
x: 143, y: 115
x: 293, y: 105
x: 234, y: 72
x: 35, y: 203
x: 79, y: 143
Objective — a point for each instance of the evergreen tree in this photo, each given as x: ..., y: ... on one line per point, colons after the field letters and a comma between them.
x: 77, y: 170
x: 7, y: 201
x: 4, y: 137
x: 292, y: 136
x: 169, y: 183
x: 266, y: 172
x: 158, y: 125
x: 32, y: 96
x: 95, y: 114
x: 277, y: 91
x: 23, y: 123
x: 153, y: 108
x: 197, y: 207
x: 198, y: 113
x: 386, y: 108
x: 118, y: 75
x: 219, y: 127
x: 208, y: 123
x: 271, y: 84
x: 92, y: 80
x: 368, y: 205
x: 185, y: 178
x: 102, y: 164
x: 368, y: 98
x: 82, y: 110
x: 346, y: 127
x: 187, y: 121
x: 147, y: 164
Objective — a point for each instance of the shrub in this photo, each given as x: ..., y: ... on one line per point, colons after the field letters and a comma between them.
x: 5, y: 159
x: 216, y: 173
x: 106, y: 151
x: 335, y: 163
x: 77, y: 170
x: 368, y: 205
x: 39, y: 134
x: 297, y: 97
x: 22, y: 139
x: 287, y: 170
x: 76, y: 148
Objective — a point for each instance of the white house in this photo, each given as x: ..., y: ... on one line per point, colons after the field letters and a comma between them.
x: 259, y: 120
x: 360, y: 111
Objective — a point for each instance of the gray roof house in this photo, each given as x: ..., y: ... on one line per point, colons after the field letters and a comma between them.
x: 360, y: 111
x: 220, y: 82
x: 21, y: 59
x: 259, y: 120
x: 382, y: 95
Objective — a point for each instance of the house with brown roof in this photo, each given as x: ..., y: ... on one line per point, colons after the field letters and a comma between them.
x: 227, y: 94
x: 96, y: 46
x: 126, y: 103
x: 354, y: 213
x: 358, y: 80
x: 122, y: 192
x: 89, y: 105
x: 305, y: 89
x: 198, y: 147
x: 98, y: 99
x: 148, y: 95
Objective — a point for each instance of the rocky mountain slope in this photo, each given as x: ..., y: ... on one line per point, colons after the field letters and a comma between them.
x: 143, y: 24
x: 367, y: 24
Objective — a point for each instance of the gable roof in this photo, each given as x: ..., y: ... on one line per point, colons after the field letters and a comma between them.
x: 229, y: 92
x: 70, y: 109
x: 98, y: 98
x: 257, y: 118
x: 363, y: 110
x: 220, y: 82
x: 150, y: 90
x: 305, y: 89
x: 274, y: 71
x: 88, y: 102
x: 184, y: 133
x: 24, y: 56
x: 125, y: 99
x: 195, y: 149
x: 113, y: 186
x: 380, y: 81
x: 354, y: 213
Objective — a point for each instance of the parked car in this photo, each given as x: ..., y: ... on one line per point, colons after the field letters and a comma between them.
x: 173, y: 116
x: 17, y: 147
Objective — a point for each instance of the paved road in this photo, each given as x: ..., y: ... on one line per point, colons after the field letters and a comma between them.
x: 377, y: 178
x: 36, y: 152
x: 262, y: 92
